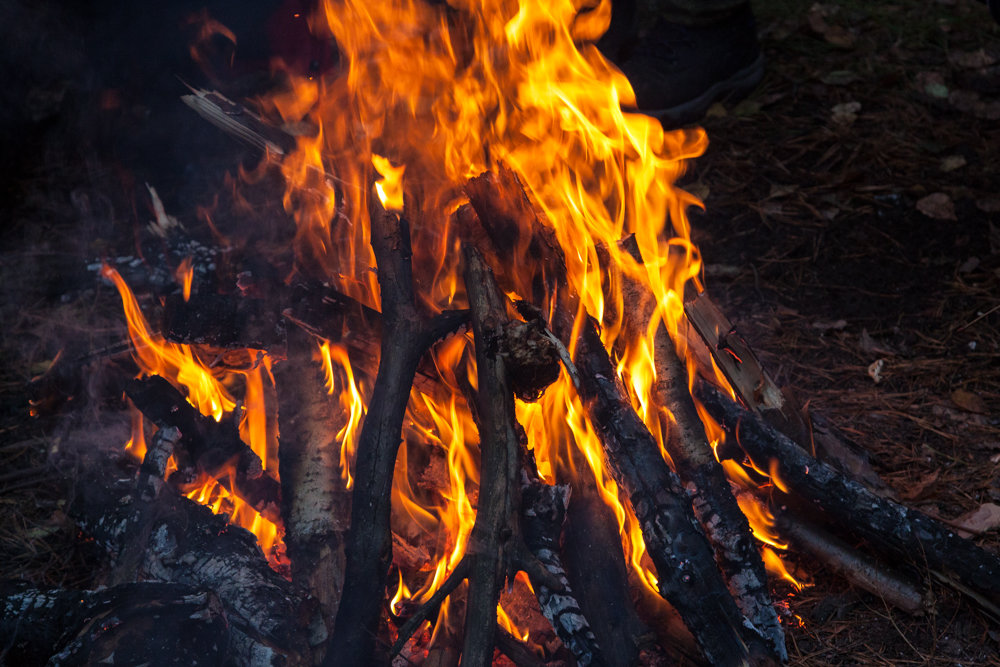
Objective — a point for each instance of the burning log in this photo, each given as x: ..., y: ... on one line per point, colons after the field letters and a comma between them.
x: 725, y: 525
x: 315, y: 501
x: 757, y: 390
x: 208, y: 446
x: 143, y: 623
x: 675, y: 542
x: 496, y: 549
x: 154, y: 534
x: 224, y: 320
x: 889, y: 528
x: 406, y: 337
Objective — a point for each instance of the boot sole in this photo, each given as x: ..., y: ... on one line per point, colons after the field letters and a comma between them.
x: 739, y: 84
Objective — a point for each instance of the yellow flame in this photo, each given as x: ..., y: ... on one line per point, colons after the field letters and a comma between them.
x: 185, y: 276
x: 336, y: 364
x: 390, y: 186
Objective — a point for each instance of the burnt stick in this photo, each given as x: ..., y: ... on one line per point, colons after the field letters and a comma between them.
x: 407, y: 335
x: 888, y: 527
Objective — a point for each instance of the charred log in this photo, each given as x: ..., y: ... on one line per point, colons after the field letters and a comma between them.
x: 183, y: 542
x: 889, y: 528
x: 849, y: 563
x: 543, y: 512
x: 757, y: 390
x: 676, y: 544
x: 596, y: 569
x: 208, y: 446
x: 406, y: 337
x: 155, y: 624
x: 224, y: 320
x: 712, y: 498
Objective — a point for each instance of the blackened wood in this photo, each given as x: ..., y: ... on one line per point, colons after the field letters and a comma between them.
x: 183, y: 542
x: 757, y: 390
x: 226, y: 321
x: 144, y: 623
x: 514, y: 649
x: 889, y: 528
x: 681, y: 553
x: 330, y: 315
x: 849, y: 563
x: 715, y: 506
x: 496, y: 548
x: 208, y: 446
x: 316, y: 505
x: 712, y: 498
x: 543, y: 512
x: 161, y: 448
x: 595, y: 566
x: 406, y: 337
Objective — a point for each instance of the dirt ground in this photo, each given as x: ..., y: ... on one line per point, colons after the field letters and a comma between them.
x: 852, y: 220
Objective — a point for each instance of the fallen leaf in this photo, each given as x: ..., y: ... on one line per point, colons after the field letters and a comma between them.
x: 968, y: 401
x: 781, y: 190
x: 938, y: 206
x: 952, y: 162
x: 971, y: 59
x: 932, y: 83
x: 717, y: 110
x: 836, y: 325
x: 875, y: 370
x: 846, y: 113
x: 917, y: 490
x: 969, y: 265
x: 988, y: 204
x: 870, y: 346
x: 840, y: 77
x: 978, y: 521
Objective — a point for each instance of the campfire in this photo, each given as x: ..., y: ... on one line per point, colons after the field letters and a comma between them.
x: 489, y: 412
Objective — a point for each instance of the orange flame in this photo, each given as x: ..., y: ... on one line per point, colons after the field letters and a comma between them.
x: 185, y: 276
x: 350, y: 399
x: 180, y: 364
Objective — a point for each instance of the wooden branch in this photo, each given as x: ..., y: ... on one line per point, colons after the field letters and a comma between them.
x: 135, y: 623
x: 406, y: 337
x: 316, y: 504
x: 676, y: 544
x: 496, y: 549
x: 183, y: 542
x: 889, y: 528
x: 854, y: 566
x: 209, y: 446
x: 495, y: 535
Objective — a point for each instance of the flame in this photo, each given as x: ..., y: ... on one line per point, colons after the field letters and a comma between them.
x: 390, y: 186
x: 185, y: 276
x: 444, y: 92
x: 206, y: 391
x: 175, y: 362
x: 350, y: 400
x: 136, y: 445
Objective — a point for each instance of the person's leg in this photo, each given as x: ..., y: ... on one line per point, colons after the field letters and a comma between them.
x: 681, y: 56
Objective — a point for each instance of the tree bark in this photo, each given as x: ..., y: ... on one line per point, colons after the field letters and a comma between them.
x: 316, y: 505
